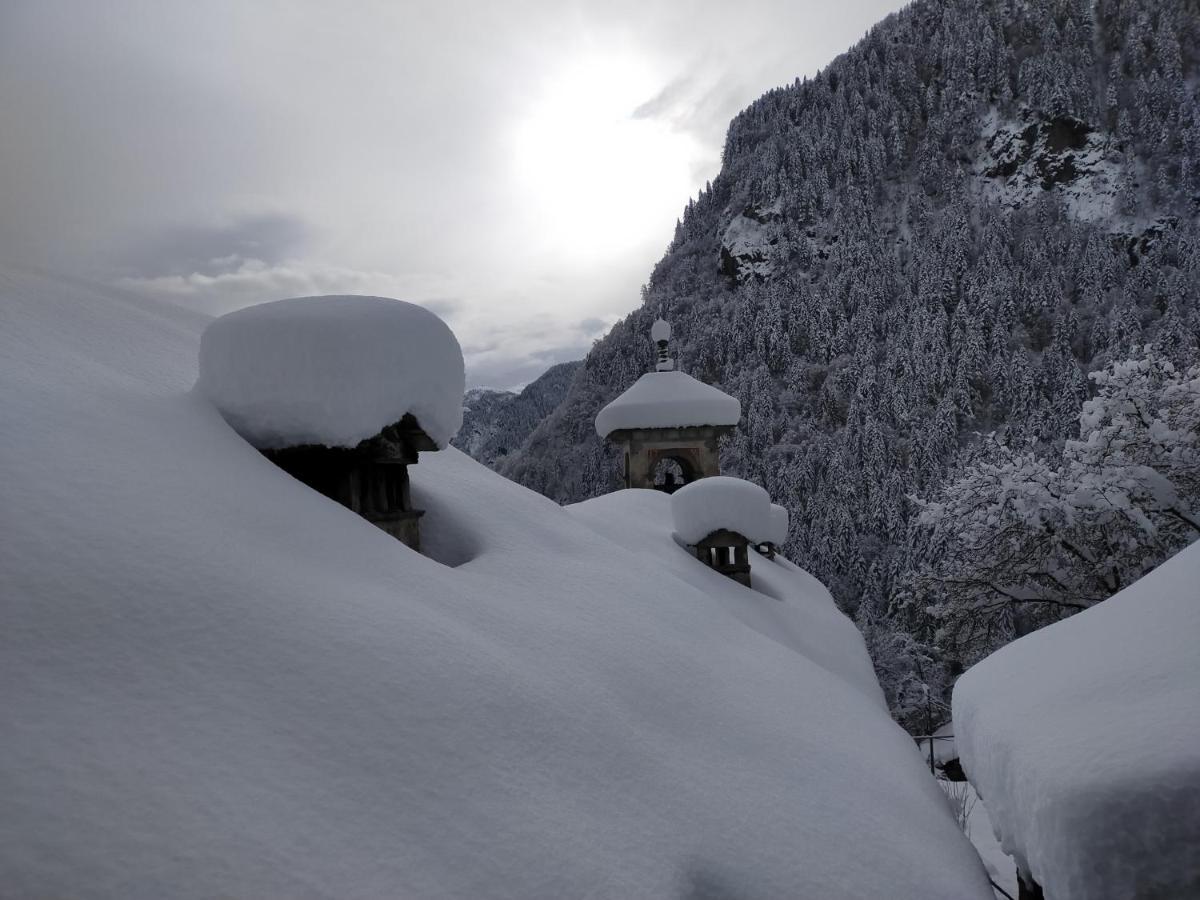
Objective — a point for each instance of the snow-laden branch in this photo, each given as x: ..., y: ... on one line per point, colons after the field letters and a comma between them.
x: 1022, y: 540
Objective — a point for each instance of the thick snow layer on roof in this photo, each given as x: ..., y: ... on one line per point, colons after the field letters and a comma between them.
x: 332, y: 370
x: 710, y: 504
x: 778, y: 525
x: 668, y: 400
x: 1084, y: 740
x: 978, y: 827
x: 216, y: 682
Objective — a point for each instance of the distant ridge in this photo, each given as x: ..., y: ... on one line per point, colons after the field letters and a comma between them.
x: 496, y: 423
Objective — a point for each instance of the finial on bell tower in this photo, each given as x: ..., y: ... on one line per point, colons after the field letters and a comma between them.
x: 660, y: 333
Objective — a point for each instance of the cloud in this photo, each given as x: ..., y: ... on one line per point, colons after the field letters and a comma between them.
x: 226, y: 153
x: 700, y: 103
x: 512, y: 374
x: 596, y: 326
x: 502, y: 347
x: 268, y: 238
x: 508, y: 354
x: 247, y: 281
x: 664, y: 104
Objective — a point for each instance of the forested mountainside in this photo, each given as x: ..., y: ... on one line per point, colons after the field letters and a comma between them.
x: 495, y: 423
x: 935, y: 238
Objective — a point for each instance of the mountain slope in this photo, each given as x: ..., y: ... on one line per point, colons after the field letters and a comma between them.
x: 496, y: 423
x: 936, y: 236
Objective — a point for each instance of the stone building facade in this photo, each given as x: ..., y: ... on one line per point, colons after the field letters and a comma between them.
x: 371, y: 479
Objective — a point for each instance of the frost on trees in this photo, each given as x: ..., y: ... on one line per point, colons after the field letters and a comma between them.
x: 1083, y: 739
x: 340, y: 392
x: 669, y: 424
x: 1022, y: 539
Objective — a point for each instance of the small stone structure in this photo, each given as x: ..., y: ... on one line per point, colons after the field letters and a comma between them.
x: 727, y: 552
x: 720, y: 518
x: 694, y: 449
x: 371, y: 479
x: 668, y: 417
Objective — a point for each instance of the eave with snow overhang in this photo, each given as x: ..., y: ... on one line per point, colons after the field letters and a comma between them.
x: 341, y: 393
x: 668, y: 418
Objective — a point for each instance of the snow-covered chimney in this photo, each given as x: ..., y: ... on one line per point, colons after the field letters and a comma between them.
x: 660, y: 333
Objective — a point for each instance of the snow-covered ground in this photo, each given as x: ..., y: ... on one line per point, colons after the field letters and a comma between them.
x: 977, y: 824
x: 972, y: 813
x: 1084, y: 740
x: 216, y: 682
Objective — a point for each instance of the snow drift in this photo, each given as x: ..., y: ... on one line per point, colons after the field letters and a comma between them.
x: 216, y: 682
x: 332, y: 370
x: 1084, y: 741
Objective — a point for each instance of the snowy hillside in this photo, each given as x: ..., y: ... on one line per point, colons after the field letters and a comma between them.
x: 935, y: 238
x: 496, y: 423
x: 217, y: 682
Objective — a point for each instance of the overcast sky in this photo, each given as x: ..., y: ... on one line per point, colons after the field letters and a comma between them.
x: 516, y: 166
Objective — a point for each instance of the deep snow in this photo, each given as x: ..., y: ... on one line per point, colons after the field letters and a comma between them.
x: 777, y: 530
x: 332, y: 370
x: 216, y: 682
x: 1084, y: 741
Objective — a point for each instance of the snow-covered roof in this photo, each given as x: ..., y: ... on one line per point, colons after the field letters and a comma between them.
x: 720, y: 502
x: 194, y: 697
x: 332, y: 370
x: 668, y: 400
x: 1084, y: 741
x: 778, y: 530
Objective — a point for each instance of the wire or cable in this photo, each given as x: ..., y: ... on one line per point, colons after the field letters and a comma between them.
x: 1000, y: 889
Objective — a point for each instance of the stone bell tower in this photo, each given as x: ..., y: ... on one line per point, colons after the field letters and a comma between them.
x: 668, y: 423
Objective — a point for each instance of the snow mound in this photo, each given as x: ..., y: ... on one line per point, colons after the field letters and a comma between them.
x: 218, y: 683
x: 668, y: 400
x: 1084, y: 741
x: 777, y: 526
x: 710, y: 504
x: 332, y: 370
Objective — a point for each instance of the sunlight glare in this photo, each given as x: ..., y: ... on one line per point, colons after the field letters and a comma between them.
x: 594, y: 180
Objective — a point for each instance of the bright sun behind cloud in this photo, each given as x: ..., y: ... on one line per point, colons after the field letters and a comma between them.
x: 594, y: 181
